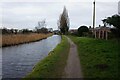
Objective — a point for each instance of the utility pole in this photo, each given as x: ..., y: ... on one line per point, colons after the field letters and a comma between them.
x: 119, y: 8
x: 93, y: 14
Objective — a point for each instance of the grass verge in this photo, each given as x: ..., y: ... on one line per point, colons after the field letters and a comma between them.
x: 53, y: 65
x: 99, y: 58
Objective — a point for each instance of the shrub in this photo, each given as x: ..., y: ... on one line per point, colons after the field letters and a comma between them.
x: 83, y: 30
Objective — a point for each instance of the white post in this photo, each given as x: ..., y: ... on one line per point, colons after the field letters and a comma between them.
x: 106, y: 35
x: 103, y: 34
x: 99, y: 34
x: 95, y: 34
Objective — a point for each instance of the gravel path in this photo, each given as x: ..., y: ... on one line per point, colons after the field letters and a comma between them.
x: 73, y: 69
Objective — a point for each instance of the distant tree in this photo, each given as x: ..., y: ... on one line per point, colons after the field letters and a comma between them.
x: 41, y: 24
x: 12, y: 31
x: 114, y: 20
x: 63, y: 22
x: 15, y: 31
x: 0, y: 31
x: 5, y: 31
x: 26, y: 31
x: 82, y: 30
x: 42, y: 30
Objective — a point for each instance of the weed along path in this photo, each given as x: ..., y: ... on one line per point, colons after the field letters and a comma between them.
x: 73, y: 68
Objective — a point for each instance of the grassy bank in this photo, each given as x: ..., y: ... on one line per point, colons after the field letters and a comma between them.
x: 8, y: 40
x: 99, y: 58
x: 53, y: 65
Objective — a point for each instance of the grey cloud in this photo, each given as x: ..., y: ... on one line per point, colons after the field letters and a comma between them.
x: 27, y: 14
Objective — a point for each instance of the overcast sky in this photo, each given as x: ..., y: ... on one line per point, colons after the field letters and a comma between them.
x: 26, y: 14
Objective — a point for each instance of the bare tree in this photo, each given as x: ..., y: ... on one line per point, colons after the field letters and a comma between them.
x: 41, y: 24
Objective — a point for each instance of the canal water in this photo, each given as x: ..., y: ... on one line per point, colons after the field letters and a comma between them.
x: 18, y: 61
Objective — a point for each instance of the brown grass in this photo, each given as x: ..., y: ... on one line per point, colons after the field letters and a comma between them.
x: 8, y: 40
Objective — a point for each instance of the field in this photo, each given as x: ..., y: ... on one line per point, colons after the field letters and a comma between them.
x: 99, y: 58
x: 53, y: 65
x: 8, y: 40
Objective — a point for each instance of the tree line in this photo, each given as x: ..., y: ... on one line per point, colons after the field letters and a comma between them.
x: 24, y: 31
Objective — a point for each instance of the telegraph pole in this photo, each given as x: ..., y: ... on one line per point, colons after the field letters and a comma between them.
x: 93, y: 14
x: 119, y: 8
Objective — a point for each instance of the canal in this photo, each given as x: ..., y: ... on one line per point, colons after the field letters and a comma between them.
x: 19, y: 60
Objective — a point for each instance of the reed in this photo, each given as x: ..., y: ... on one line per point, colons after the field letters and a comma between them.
x: 15, y: 39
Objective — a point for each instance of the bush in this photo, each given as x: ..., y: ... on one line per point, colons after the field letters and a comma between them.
x: 42, y: 30
x: 115, y: 32
x: 83, y: 30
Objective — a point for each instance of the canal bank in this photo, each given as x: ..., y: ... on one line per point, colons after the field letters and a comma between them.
x: 19, y: 60
x: 53, y: 65
x: 16, y: 39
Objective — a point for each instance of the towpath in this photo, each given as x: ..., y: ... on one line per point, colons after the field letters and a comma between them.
x: 73, y: 67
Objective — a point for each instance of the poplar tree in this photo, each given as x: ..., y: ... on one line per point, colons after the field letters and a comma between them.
x: 63, y: 22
